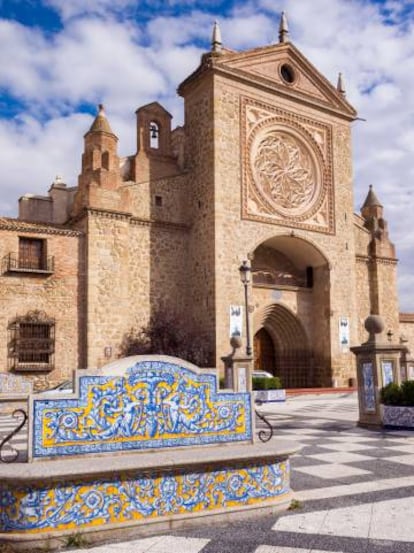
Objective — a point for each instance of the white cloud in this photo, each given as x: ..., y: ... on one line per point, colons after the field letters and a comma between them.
x: 23, y: 72
x: 74, y: 8
x: 32, y: 154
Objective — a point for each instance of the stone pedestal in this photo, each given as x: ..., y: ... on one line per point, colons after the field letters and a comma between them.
x: 378, y: 363
x: 238, y: 372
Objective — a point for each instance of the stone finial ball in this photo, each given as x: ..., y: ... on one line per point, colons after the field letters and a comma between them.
x: 374, y: 324
x: 236, y: 342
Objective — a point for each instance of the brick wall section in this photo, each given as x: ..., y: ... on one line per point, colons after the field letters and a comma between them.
x: 56, y: 294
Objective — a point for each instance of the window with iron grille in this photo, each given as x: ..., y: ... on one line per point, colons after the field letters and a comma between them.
x: 32, y: 342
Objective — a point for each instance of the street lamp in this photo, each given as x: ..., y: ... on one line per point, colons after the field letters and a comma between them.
x: 245, y: 275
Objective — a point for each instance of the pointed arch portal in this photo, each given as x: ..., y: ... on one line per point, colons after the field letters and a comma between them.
x: 282, y: 341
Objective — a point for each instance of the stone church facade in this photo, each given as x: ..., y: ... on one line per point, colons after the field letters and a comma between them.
x: 261, y: 170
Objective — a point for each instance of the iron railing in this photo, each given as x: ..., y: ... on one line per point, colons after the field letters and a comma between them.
x: 13, y: 262
x: 13, y: 453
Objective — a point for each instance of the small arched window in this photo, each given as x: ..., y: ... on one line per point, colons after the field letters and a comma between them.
x: 105, y: 160
x: 154, y: 135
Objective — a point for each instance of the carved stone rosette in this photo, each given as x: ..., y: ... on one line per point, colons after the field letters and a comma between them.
x: 287, y: 168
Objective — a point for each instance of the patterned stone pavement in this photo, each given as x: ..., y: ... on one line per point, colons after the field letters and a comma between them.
x: 354, y: 491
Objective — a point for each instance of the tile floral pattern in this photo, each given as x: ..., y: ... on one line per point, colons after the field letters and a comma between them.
x: 155, y: 405
x: 141, y: 496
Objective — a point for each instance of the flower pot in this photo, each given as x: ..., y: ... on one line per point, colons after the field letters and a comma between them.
x: 398, y: 416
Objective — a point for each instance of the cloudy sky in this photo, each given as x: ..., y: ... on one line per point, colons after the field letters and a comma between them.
x: 59, y: 58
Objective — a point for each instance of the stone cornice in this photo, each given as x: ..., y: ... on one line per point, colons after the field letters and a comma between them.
x: 111, y: 214
x: 165, y: 225
x: 406, y: 317
x: 220, y: 65
x: 381, y: 260
x: 268, y: 85
x: 362, y: 258
x: 108, y: 213
x: 36, y: 228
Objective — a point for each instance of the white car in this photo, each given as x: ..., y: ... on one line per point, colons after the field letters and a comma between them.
x: 261, y: 374
x: 65, y: 387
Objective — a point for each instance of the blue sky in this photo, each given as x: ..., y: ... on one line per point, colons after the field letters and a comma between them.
x: 60, y: 58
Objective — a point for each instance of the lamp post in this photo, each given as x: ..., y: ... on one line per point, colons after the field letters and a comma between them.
x: 245, y: 275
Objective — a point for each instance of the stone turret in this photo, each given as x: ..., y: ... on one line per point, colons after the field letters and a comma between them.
x: 372, y: 207
x: 372, y: 212
x: 100, y: 173
x: 100, y: 161
x: 382, y: 263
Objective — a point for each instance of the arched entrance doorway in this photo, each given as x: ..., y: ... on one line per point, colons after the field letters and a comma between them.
x: 291, y: 322
x: 264, y: 352
x: 282, y: 348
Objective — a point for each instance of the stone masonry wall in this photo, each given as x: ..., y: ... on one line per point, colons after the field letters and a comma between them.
x: 135, y: 268
x: 407, y: 335
x: 201, y: 142
x: 376, y: 285
x: 237, y: 237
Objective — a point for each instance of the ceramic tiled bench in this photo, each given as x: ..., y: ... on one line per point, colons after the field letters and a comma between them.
x: 147, y: 444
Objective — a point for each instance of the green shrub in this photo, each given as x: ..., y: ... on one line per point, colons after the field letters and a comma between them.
x: 391, y: 394
x: 403, y: 395
x: 407, y: 389
x: 266, y: 383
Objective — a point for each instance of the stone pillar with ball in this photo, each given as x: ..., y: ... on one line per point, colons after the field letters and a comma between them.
x: 379, y: 362
x: 238, y: 368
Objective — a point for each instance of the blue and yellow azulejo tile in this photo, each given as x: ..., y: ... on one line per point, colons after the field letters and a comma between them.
x: 155, y: 404
x: 130, y: 498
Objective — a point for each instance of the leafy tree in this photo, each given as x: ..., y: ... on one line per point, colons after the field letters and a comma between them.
x: 166, y: 334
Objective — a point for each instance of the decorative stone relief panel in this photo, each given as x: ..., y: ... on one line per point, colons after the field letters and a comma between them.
x: 287, y: 168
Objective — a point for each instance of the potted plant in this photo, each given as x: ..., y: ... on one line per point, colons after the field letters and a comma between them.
x: 398, y: 404
x: 267, y: 388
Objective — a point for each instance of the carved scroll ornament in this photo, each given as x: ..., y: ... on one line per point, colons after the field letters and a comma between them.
x: 285, y: 172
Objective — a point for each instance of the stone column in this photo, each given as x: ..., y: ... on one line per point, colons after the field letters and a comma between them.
x: 378, y: 364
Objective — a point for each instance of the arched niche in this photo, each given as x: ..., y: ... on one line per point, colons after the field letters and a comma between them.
x: 291, y: 295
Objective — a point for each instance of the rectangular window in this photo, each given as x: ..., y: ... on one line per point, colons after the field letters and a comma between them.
x: 32, y: 342
x: 34, y: 345
x: 32, y: 254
